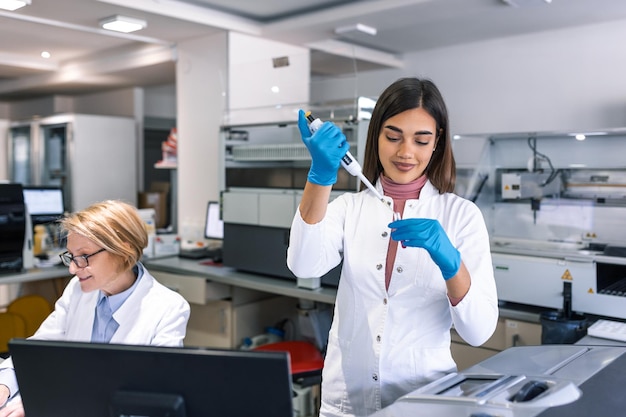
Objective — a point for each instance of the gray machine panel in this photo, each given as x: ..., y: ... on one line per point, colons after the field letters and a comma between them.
x: 556, y: 376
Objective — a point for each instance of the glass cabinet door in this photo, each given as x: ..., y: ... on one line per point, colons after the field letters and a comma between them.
x: 54, y: 158
x: 20, y: 155
x: 54, y: 162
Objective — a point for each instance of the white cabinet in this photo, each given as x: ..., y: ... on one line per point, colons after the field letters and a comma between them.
x: 267, y: 79
x: 260, y: 207
x: 93, y: 158
x: 538, y: 281
x: 225, y: 323
x: 194, y: 289
x: 222, y: 315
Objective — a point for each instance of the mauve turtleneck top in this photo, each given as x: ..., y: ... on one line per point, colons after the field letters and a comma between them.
x: 399, y: 193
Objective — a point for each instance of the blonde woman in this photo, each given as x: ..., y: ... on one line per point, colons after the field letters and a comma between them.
x: 112, y: 297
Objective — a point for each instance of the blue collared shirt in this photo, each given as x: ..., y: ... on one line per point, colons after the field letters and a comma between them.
x: 103, y: 328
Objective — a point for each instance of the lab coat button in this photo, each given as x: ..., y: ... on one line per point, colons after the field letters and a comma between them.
x: 384, y: 234
x: 399, y: 269
x: 379, y: 266
x: 378, y: 338
x: 375, y: 377
x: 384, y: 301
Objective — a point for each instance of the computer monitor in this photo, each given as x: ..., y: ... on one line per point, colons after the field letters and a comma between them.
x: 214, y: 225
x: 44, y: 204
x: 61, y: 379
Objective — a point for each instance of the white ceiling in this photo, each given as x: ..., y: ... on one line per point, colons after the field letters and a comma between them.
x: 87, y: 59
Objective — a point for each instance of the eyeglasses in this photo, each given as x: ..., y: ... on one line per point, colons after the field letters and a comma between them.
x: 81, y: 261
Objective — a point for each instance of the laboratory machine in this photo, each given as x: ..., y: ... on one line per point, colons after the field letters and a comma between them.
x: 15, y: 229
x: 528, y: 381
x: 554, y: 206
x: 264, y: 173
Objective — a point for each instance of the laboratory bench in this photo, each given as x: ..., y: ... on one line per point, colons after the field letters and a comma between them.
x: 282, y: 286
x: 228, y: 304
x: 34, y: 274
x: 207, y: 286
x: 48, y: 282
x: 218, y: 273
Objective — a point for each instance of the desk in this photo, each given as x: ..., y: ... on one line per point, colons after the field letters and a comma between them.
x: 35, y: 274
x: 228, y: 305
x: 48, y: 282
x: 517, y: 322
x: 229, y: 276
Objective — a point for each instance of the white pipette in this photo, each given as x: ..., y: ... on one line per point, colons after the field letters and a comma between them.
x: 351, y: 165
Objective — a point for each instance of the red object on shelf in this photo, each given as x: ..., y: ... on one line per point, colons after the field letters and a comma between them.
x: 305, y: 358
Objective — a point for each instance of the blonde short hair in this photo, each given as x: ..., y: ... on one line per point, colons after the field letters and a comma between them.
x: 113, y: 225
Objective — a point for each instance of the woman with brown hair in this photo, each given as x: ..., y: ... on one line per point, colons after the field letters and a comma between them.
x: 404, y: 283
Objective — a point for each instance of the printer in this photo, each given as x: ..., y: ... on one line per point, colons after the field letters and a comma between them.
x: 14, y: 222
x: 525, y: 381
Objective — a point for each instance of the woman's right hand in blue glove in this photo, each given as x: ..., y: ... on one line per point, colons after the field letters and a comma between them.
x: 327, y: 146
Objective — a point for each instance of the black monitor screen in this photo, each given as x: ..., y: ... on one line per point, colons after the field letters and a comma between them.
x: 44, y: 204
x: 214, y: 226
x: 61, y: 379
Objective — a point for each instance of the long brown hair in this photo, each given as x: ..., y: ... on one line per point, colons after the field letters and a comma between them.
x: 406, y: 94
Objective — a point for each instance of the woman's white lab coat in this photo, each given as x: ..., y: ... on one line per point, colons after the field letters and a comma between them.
x: 152, y: 315
x: 386, y: 343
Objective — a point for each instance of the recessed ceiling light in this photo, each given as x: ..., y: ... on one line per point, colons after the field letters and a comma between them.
x: 13, y: 4
x: 45, y: 54
x: 123, y: 24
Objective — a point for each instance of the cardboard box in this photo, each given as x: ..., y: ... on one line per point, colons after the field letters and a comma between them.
x: 156, y: 200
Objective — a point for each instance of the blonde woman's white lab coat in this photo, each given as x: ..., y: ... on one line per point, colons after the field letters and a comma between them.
x: 386, y: 343
x: 152, y: 315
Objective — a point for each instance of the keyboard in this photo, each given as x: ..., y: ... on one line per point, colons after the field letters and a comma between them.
x: 608, y: 329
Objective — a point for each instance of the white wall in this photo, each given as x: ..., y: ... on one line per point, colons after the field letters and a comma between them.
x: 200, y: 80
x: 160, y: 101
x: 110, y: 103
x: 572, y: 79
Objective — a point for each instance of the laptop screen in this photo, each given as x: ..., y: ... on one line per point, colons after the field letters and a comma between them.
x: 44, y: 204
x: 214, y: 226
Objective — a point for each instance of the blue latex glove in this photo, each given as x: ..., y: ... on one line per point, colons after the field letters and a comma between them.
x: 428, y: 234
x: 327, y: 146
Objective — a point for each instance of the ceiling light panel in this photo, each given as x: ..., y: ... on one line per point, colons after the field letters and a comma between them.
x: 13, y: 4
x: 123, y: 24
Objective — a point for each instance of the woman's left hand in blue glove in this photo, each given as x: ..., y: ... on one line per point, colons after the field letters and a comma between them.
x: 428, y: 234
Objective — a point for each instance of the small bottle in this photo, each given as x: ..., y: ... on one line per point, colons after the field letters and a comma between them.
x: 39, y: 240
